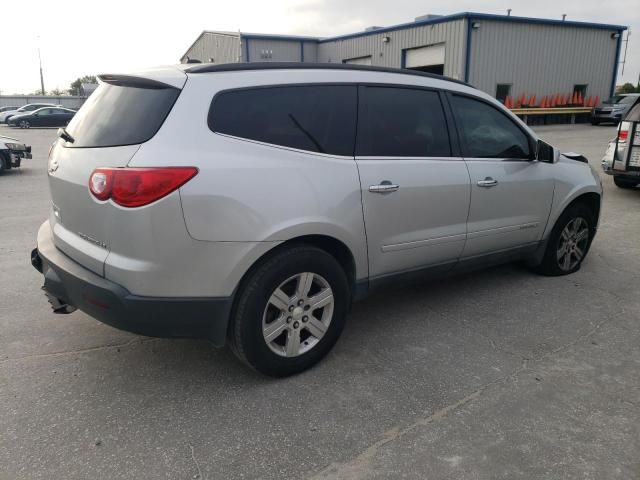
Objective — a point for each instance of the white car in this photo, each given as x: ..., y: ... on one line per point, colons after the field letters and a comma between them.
x: 12, y: 152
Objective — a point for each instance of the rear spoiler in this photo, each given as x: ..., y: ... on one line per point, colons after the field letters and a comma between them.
x: 133, y: 81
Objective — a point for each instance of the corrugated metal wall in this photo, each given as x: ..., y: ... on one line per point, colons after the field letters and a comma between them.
x: 541, y: 59
x: 310, y: 52
x: 223, y: 48
x: 19, y: 100
x: 452, y: 33
x: 271, y: 50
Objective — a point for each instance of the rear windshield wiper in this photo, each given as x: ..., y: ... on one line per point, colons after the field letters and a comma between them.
x: 63, y: 134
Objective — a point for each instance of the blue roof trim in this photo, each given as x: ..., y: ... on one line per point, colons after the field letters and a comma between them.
x: 266, y: 36
x: 476, y: 16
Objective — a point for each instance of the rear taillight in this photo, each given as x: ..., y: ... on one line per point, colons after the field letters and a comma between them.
x: 623, y: 135
x: 135, y: 187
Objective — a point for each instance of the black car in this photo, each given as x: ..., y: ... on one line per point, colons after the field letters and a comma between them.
x: 43, y: 117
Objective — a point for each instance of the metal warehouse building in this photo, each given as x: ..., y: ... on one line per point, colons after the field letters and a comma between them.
x: 501, y: 55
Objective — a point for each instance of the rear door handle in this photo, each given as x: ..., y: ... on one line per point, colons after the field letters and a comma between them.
x: 487, y: 182
x: 384, y: 187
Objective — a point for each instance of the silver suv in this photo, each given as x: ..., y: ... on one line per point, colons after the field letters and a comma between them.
x: 251, y: 204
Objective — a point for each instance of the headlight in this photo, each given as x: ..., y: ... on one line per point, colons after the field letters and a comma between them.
x: 16, y: 146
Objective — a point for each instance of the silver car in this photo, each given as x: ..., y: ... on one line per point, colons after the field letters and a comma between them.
x: 613, y: 109
x: 252, y: 204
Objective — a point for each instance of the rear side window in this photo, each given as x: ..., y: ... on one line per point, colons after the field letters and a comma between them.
x: 401, y: 122
x: 116, y: 115
x: 488, y: 133
x: 319, y: 118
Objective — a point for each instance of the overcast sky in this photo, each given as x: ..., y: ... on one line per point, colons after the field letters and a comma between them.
x: 90, y: 37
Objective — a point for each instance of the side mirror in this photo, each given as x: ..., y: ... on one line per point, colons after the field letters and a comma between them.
x: 546, y: 153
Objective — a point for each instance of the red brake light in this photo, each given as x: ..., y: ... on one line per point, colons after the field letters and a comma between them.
x: 135, y: 187
x: 623, y: 135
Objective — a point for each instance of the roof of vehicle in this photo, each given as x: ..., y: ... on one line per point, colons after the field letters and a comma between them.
x: 195, y: 68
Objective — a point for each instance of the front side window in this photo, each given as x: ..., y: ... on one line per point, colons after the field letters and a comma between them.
x: 401, y: 122
x: 486, y: 132
x: 317, y: 118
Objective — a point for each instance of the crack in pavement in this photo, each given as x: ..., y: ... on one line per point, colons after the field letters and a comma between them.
x: 75, y: 352
x: 357, y: 466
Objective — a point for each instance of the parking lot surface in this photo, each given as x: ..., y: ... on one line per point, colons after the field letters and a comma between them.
x: 499, y: 374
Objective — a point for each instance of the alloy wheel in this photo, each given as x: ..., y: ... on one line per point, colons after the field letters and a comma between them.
x: 572, y: 244
x: 298, y: 314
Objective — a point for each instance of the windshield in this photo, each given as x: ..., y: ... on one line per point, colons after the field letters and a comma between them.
x: 621, y: 99
x: 116, y: 115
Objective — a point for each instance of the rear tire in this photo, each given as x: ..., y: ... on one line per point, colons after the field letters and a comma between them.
x: 277, y: 327
x: 595, y: 122
x: 624, y: 183
x: 569, y: 242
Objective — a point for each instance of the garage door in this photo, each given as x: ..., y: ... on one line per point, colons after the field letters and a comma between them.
x: 424, y: 56
x: 358, y: 61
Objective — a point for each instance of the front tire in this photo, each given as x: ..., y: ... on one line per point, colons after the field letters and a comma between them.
x: 624, y: 183
x: 25, y: 124
x: 569, y: 242
x: 595, y: 122
x: 290, y: 311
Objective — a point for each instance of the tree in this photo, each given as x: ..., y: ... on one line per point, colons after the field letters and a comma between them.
x: 76, y: 85
x: 629, y: 88
x: 57, y: 92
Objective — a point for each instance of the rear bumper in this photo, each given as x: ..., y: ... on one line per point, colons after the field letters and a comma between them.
x: 110, y: 303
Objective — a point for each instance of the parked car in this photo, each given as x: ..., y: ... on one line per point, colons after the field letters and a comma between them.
x: 5, y: 116
x: 622, y: 158
x: 8, y: 109
x: 251, y: 204
x: 12, y: 152
x: 43, y: 117
x: 613, y: 109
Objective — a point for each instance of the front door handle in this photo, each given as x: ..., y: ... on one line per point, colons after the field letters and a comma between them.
x: 384, y: 187
x: 488, y: 182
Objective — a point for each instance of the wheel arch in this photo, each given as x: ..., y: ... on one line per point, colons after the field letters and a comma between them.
x: 590, y: 197
x: 333, y: 246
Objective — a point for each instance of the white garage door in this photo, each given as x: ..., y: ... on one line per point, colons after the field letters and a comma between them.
x: 358, y: 61
x: 424, y: 56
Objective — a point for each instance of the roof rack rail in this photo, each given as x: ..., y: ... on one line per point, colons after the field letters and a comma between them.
x: 234, y: 67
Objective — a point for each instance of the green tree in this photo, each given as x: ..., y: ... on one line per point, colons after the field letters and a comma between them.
x: 76, y: 85
x: 629, y: 88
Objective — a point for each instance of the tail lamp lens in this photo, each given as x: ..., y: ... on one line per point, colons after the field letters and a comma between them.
x: 136, y: 187
x: 623, y: 135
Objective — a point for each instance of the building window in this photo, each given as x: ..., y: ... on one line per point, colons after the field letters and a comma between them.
x: 503, y: 90
x: 580, y: 89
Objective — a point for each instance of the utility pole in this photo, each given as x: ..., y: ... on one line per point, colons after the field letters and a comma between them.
x: 41, y: 77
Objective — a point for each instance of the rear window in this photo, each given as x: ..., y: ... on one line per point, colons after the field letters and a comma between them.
x: 319, y: 118
x: 401, y: 122
x: 116, y: 115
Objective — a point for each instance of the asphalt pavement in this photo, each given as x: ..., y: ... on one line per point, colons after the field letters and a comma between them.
x: 498, y: 374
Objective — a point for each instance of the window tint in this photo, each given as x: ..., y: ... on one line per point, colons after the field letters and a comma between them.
x: 121, y: 115
x: 316, y: 118
x: 488, y: 133
x: 401, y: 122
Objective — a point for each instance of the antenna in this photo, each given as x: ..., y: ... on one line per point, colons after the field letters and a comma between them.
x: 564, y: 17
x: 508, y: 12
